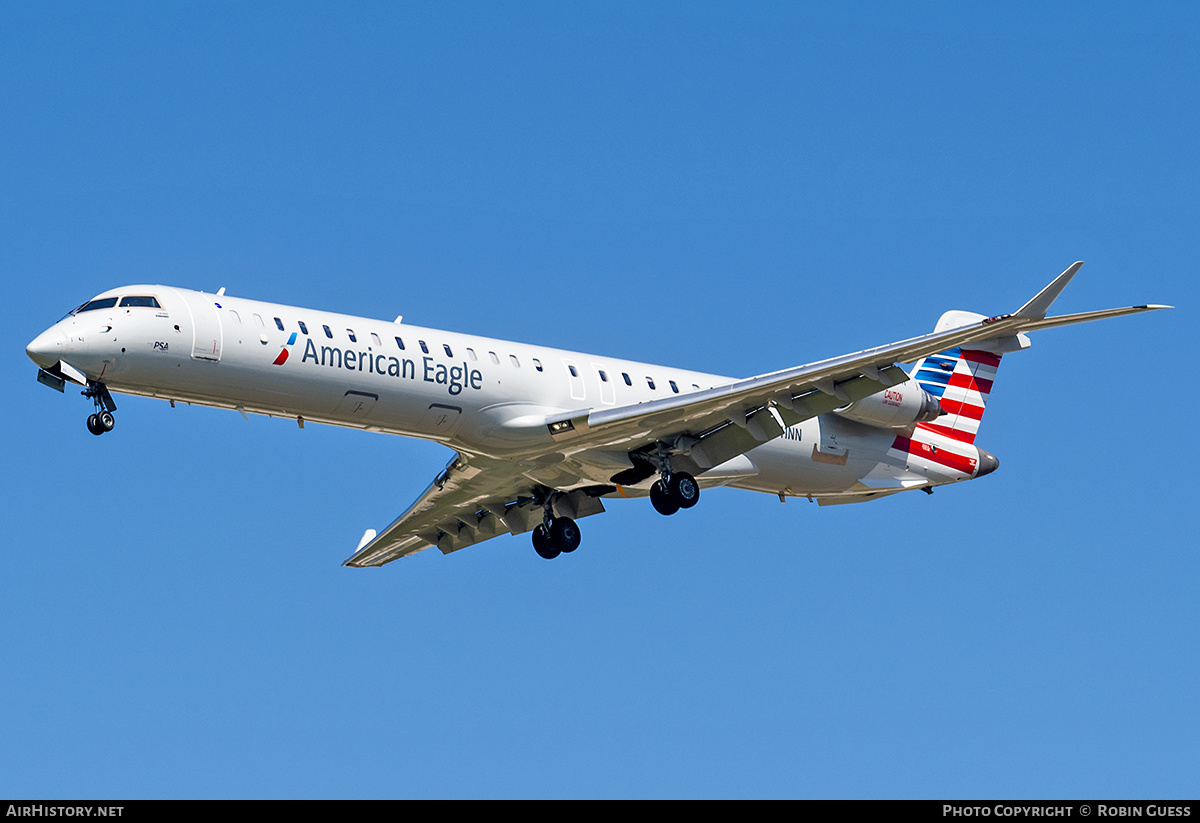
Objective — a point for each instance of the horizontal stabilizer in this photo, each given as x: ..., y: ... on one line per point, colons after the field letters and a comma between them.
x: 1084, y: 317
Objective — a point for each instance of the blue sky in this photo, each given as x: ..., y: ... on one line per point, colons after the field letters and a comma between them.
x: 733, y: 188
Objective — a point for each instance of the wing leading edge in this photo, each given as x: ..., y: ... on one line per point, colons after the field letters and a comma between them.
x: 477, y: 498
x: 714, y: 425
x: 473, y: 499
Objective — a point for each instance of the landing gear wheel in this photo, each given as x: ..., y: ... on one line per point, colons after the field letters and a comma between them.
x: 542, y: 543
x: 662, y: 500
x: 684, y: 490
x: 564, y: 534
x: 102, y: 419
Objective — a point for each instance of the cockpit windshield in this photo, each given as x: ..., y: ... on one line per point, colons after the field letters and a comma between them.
x: 132, y: 301
x: 142, y: 301
x: 92, y: 305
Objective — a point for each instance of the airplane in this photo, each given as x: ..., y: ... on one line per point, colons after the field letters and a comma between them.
x: 543, y: 437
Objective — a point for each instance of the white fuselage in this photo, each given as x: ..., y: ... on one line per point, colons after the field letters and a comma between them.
x: 474, y: 394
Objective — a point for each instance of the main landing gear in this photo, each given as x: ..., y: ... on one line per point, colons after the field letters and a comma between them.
x: 102, y: 419
x: 554, y: 535
x: 674, y: 491
x: 557, y: 535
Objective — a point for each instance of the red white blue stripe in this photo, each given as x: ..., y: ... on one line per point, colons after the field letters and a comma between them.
x: 962, y: 380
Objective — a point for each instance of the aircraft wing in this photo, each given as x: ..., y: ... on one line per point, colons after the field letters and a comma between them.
x: 473, y: 499
x: 476, y: 498
x: 713, y: 425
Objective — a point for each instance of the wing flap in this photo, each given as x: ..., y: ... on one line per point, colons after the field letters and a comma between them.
x: 795, y: 394
x: 472, y: 500
x: 448, y: 514
x: 475, y: 499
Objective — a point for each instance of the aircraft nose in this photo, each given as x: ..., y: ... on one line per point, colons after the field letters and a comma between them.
x: 987, y: 463
x: 47, y: 348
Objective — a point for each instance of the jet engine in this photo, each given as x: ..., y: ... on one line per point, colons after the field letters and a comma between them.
x: 897, y: 407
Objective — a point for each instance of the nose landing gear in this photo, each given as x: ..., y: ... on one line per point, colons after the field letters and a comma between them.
x: 102, y: 419
x: 101, y: 422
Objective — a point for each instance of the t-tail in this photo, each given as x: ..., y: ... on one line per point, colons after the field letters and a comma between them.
x: 961, y: 379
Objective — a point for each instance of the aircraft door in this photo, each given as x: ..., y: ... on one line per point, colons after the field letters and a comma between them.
x: 578, y: 391
x: 206, y: 326
x: 608, y: 394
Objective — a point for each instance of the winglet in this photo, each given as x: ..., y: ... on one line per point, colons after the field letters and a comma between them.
x: 367, y: 537
x: 1036, y: 308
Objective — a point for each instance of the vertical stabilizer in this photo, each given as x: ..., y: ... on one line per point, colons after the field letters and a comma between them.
x: 962, y: 380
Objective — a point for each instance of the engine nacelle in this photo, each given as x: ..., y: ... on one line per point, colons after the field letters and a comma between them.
x: 898, y: 407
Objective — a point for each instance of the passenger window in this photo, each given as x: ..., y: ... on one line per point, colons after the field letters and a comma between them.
x: 449, y: 353
x: 279, y: 324
x: 628, y: 382
x: 650, y: 381
x: 232, y: 314
x: 328, y: 332
x: 516, y: 363
x: 537, y: 364
x: 674, y: 388
x: 258, y: 321
x: 573, y: 372
x: 303, y: 328
x: 400, y: 343
x: 495, y: 359
x: 424, y: 348
x: 603, y: 376
x: 375, y: 339
x: 350, y: 333
x: 471, y: 354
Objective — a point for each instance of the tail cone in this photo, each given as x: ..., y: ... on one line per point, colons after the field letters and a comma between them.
x: 987, y: 463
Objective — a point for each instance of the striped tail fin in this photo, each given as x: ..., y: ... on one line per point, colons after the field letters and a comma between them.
x: 961, y: 379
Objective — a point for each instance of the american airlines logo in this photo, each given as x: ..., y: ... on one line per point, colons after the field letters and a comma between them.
x: 283, y: 353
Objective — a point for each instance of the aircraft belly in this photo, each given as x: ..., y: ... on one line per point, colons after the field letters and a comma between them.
x: 243, y: 379
x: 826, y: 456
